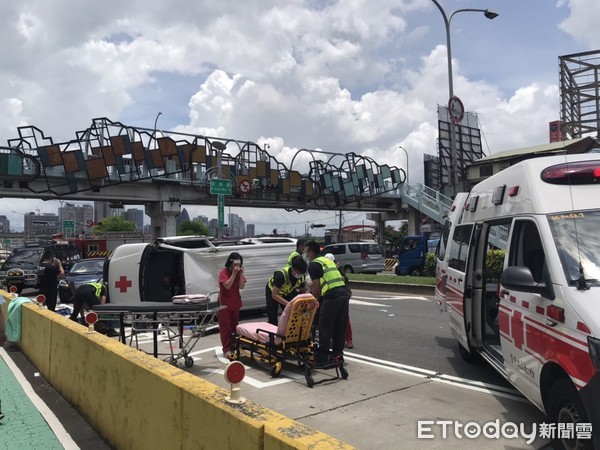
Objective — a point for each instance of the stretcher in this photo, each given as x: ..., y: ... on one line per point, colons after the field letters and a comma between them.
x: 154, y: 317
x: 292, y: 339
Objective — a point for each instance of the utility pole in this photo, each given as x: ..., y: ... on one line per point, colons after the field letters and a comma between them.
x: 340, y: 228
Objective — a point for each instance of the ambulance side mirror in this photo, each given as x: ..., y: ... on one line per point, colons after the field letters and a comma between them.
x: 519, y: 278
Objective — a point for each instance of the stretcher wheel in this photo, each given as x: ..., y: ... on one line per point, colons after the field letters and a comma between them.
x: 275, y: 370
x: 188, y: 361
x: 344, y: 373
x: 310, y: 382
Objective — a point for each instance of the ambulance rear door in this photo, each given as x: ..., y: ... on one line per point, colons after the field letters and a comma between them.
x: 459, y: 306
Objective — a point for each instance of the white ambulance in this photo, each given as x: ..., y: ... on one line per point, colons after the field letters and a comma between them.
x: 519, y: 274
x: 154, y: 272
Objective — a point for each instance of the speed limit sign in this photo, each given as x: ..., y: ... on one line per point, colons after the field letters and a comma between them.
x: 244, y: 186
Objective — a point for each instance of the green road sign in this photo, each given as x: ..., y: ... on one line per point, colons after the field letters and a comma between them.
x: 220, y: 186
x: 68, y: 224
x: 221, y: 210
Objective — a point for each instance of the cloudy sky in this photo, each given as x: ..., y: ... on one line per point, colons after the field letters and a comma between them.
x: 355, y: 75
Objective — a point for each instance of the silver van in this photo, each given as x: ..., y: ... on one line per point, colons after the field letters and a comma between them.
x: 357, y: 257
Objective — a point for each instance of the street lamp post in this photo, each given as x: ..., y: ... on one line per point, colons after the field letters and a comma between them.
x: 406, y: 153
x: 447, y: 20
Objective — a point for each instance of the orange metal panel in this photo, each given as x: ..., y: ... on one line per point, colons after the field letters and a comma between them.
x: 70, y: 161
x: 96, y: 169
x: 138, y: 151
x: 167, y: 146
x: 157, y: 159
x: 109, y: 156
x: 54, y: 155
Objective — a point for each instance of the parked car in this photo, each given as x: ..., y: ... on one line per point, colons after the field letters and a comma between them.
x: 357, y: 257
x: 21, y: 268
x: 83, y: 271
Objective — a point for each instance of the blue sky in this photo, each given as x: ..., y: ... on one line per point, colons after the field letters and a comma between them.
x: 359, y: 75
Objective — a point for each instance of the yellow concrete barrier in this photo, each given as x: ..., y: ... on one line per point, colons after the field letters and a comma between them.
x: 137, y: 401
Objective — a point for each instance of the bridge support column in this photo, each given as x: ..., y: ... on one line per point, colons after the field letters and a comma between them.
x: 414, y: 221
x: 162, y: 218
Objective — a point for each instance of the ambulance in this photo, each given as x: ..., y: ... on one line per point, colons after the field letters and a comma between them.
x: 518, y: 270
x: 154, y: 272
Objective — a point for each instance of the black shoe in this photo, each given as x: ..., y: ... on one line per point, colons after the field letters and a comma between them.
x: 111, y: 332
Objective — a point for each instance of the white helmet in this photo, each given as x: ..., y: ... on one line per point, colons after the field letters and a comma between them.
x: 330, y: 256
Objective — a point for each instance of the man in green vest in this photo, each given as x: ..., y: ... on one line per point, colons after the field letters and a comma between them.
x: 283, y: 286
x: 88, y: 295
x: 300, y: 246
x: 329, y: 287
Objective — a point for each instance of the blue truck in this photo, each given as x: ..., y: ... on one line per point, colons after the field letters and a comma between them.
x: 412, y: 252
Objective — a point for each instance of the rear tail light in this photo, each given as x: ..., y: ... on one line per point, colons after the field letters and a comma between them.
x: 581, y: 172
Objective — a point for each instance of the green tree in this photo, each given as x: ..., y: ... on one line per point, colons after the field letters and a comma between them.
x: 115, y: 223
x: 191, y: 228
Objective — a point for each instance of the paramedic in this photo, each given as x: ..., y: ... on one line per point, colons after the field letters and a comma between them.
x: 231, y: 281
x: 88, y: 295
x: 348, y: 335
x: 300, y: 246
x: 283, y: 286
x: 329, y: 287
x: 49, y: 271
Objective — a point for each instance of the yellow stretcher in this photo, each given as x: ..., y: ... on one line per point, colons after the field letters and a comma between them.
x: 290, y: 340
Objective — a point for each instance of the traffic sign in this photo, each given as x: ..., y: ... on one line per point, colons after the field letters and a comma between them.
x: 221, y: 210
x: 220, y: 186
x: 245, y: 186
x: 68, y: 224
x: 456, y: 109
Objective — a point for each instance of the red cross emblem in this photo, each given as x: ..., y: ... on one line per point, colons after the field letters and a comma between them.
x: 123, y: 284
x: 516, y: 328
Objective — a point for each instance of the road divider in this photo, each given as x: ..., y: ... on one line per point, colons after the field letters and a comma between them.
x: 398, y: 288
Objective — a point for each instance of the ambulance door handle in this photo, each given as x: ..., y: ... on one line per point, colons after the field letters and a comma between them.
x: 551, y: 323
x: 504, y: 292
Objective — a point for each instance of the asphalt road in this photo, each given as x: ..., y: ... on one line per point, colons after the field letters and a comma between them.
x: 411, y: 330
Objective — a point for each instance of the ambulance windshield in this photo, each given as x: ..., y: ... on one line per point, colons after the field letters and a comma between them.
x: 575, y: 235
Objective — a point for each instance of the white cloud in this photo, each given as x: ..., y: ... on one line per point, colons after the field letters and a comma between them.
x: 349, y: 76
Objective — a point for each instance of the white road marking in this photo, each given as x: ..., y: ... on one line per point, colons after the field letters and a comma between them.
x: 418, y: 372
x: 370, y: 301
x: 464, y: 383
x: 59, y: 431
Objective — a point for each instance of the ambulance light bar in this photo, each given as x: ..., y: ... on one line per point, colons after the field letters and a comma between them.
x: 583, y: 172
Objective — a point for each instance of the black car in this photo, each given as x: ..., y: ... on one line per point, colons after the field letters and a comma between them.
x: 83, y: 271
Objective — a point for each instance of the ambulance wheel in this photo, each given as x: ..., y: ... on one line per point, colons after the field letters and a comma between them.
x: 344, y: 373
x: 275, y: 370
x: 188, y: 361
x: 564, y: 406
x: 468, y: 356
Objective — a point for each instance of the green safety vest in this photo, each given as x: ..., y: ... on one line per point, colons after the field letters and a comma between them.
x: 332, y: 278
x: 287, y: 285
x: 292, y: 256
x: 98, y: 287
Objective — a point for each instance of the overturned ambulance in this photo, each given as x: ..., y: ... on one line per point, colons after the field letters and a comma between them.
x: 188, y: 265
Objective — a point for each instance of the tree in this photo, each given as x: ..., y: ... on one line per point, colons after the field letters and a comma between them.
x: 115, y: 223
x: 191, y: 228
